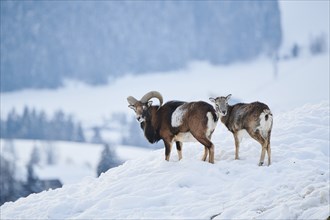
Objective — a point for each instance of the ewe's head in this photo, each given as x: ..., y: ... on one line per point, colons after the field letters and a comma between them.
x: 141, y: 106
x: 221, y: 104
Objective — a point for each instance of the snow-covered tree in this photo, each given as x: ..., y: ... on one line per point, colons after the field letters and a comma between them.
x: 50, y: 151
x: 35, y: 156
x: 318, y: 44
x: 108, y: 160
x: 97, y: 138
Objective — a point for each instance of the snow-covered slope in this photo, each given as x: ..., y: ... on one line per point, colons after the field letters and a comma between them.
x: 295, y: 186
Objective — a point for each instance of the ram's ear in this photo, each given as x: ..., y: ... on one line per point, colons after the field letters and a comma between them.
x: 149, y: 103
x: 132, y: 107
x: 212, y: 99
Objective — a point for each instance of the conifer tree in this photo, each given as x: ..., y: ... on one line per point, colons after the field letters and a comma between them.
x: 108, y: 159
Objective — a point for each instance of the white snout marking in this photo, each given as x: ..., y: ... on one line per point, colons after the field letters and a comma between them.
x: 177, y: 116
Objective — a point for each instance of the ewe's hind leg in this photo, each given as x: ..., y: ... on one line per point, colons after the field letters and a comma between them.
x: 263, y: 153
x: 206, y: 152
x: 179, y: 149
x: 268, y: 148
x: 269, y: 153
x: 257, y: 136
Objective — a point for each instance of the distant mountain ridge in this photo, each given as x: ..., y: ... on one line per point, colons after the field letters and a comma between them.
x: 45, y: 42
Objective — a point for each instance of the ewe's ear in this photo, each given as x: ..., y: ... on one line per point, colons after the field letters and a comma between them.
x: 228, y: 97
x: 212, y: 99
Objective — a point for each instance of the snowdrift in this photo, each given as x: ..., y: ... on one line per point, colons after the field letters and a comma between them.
x: 295, y: 186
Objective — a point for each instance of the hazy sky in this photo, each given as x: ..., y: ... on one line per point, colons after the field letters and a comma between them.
x: 304, y: 19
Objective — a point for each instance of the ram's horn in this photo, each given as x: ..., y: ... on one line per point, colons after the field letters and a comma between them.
x: 150, y: 95
x: 131, y: 100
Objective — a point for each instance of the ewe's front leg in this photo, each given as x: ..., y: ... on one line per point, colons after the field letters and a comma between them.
x: 237, y: 140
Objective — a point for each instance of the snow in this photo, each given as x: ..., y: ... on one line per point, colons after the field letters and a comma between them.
x: 295, y: 186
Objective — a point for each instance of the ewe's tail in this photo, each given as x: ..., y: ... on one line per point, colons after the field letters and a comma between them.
x: 266, y: 123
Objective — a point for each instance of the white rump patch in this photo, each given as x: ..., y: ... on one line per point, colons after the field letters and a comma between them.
x: 177, y: 116
x: 265, y: 126
x: 211, y: 124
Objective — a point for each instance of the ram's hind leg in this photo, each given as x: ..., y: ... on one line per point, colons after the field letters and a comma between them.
x: 208, y: 146
x: 211, y: 152
x: 179, y: 149
x: 206, y: 152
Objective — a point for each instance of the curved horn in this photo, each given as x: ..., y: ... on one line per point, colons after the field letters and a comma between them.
x: 150, y: 95
x: 131, y: 100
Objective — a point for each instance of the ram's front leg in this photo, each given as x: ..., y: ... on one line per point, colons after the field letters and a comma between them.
x: 168, y: 147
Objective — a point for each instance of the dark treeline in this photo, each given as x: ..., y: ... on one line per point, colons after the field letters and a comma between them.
x: 36, y: 125
x: 45, y: 42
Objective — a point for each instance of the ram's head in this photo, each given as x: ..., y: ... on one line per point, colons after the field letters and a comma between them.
x: 141, y: 106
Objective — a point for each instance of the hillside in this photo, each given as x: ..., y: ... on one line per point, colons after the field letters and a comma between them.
x: 295, y: 186
x: 246, y: 81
